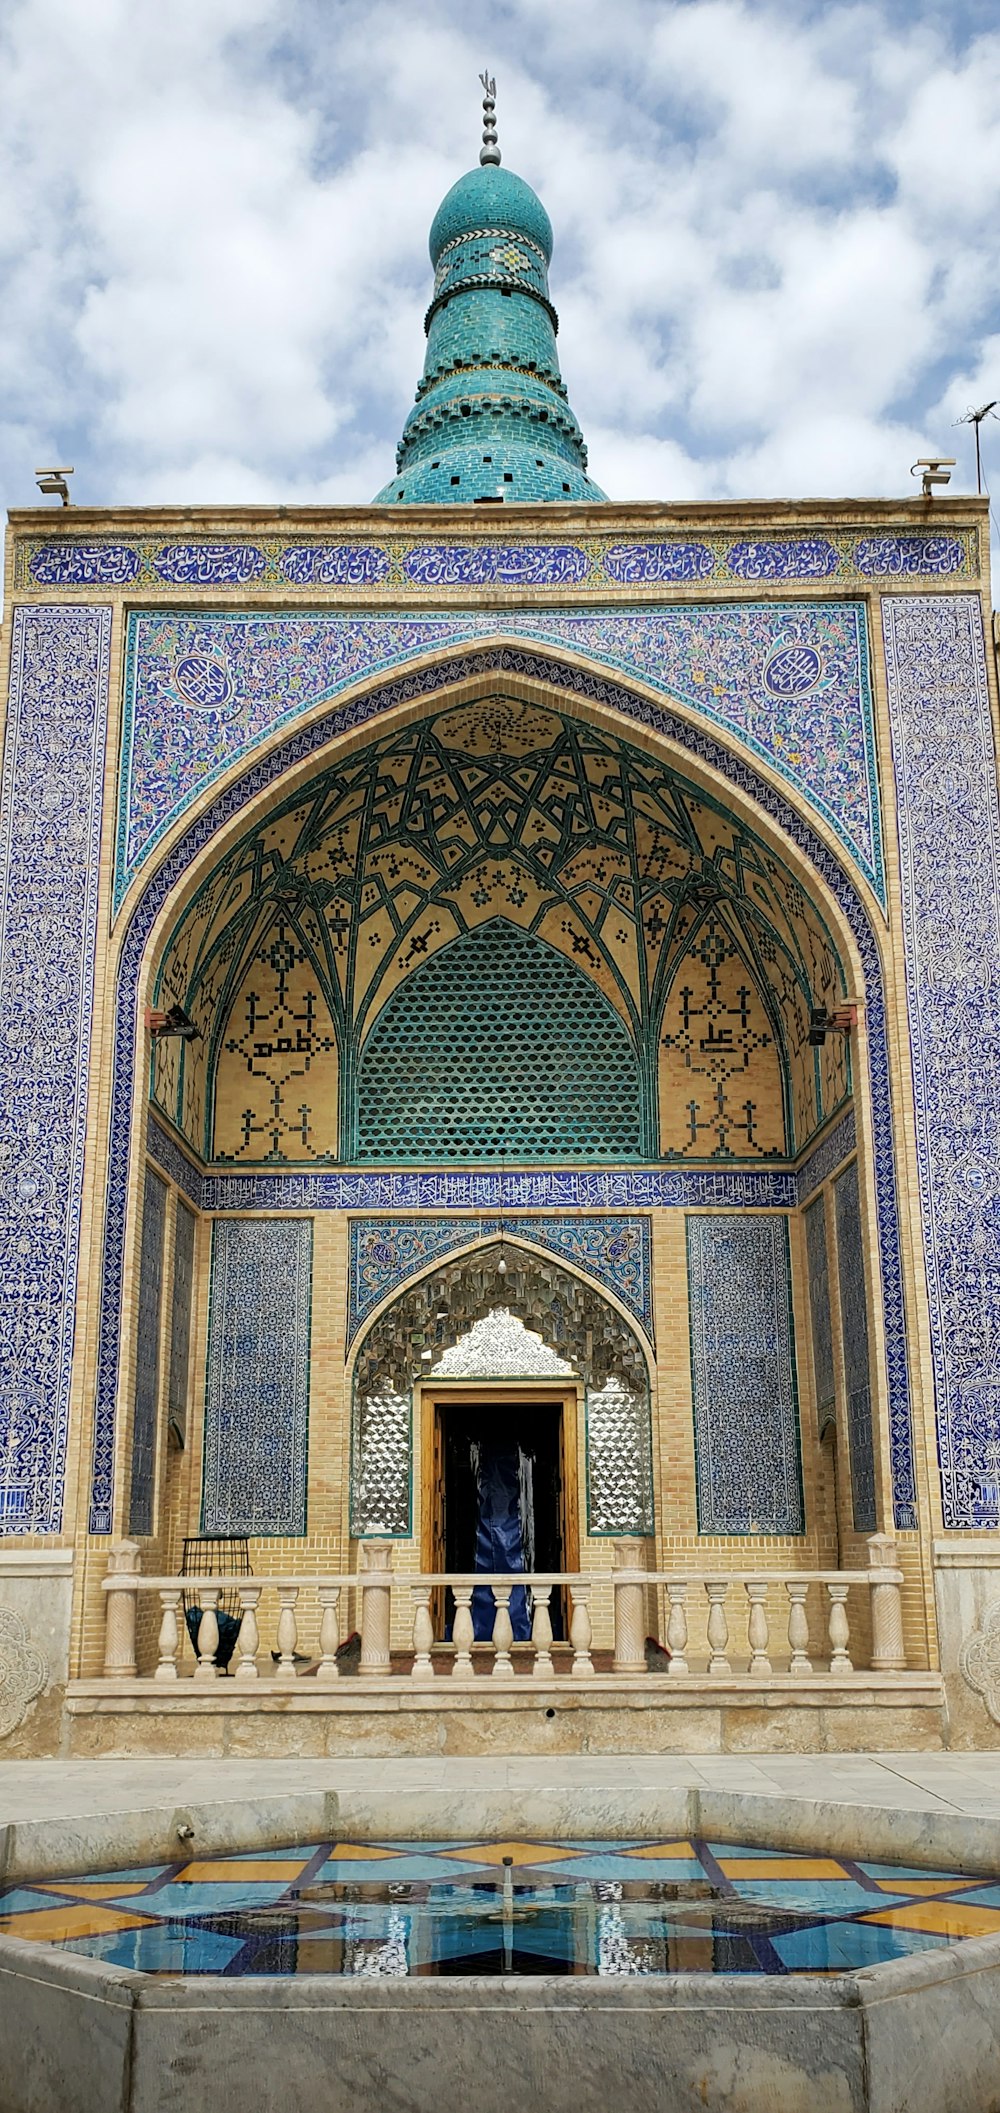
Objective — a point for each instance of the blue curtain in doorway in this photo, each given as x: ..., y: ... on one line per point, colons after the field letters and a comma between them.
x: 503, y: 1533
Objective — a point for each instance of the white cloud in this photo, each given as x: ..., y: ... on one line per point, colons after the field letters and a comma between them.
x: 774, y: 236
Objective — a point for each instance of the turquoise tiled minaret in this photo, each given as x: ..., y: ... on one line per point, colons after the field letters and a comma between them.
x: 492, y: 420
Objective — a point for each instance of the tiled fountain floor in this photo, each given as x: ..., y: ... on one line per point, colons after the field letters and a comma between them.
x: 963, y: 1784
x: 394, y: 1909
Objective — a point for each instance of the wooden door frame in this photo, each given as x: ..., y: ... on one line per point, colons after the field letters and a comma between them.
x: 435, y: 1394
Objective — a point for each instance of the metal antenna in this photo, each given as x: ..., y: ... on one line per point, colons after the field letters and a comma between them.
x: 489, y: 151
x: 975, y: 418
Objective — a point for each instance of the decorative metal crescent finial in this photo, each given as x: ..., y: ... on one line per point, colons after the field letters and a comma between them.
x: 489, y: 151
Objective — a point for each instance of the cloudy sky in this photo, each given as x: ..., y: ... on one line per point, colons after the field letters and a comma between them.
x: 776, y: 235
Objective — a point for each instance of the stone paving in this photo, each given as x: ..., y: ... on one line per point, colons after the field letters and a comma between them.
x: 963, y: 1784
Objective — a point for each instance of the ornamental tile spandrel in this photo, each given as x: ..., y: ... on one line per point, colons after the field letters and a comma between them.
x: 789, y: 680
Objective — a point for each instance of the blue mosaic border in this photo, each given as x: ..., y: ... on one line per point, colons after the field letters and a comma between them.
x: 361, y: 564
x: 191, y: 710
x: 832, y: 1150
x: 306, y: 742
x: 949, y: 843
x: 477, y: 1188
x: 50, y: 846
x: 385, y: 1252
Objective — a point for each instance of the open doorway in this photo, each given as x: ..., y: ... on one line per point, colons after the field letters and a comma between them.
x: 499, y: 1500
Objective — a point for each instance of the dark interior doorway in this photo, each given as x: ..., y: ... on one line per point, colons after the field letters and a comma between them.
x: 502, y: 1501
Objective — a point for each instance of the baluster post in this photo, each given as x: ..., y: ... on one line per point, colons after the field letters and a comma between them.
x: 718, y: 1625
x: 169, y: 1637
x: 541, y: 1633
x: 328, y: 1670
x: 677, y: 1626
x: 758, y: 1631
x: 376, y: 1595
x: 208, y: 1633
x: 422, y: 1670
x: 888, y: 1649
x: 503, y: 1632
x: 288, y: 1630
x: 630, y: 1605
x: 248, y: 1640
x: 798, y: 1626
x: 462, y: 1633
x: 124, y: 1564
x: 839, y: 1630
x: 581, y: 1633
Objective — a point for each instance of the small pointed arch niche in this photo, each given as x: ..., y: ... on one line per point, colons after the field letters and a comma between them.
x: 532, y: 1321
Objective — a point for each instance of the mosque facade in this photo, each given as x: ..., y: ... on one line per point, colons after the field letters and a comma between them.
x: 498, y: 1020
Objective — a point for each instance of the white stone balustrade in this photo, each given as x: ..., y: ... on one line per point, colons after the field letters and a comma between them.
x: 754, y: 1628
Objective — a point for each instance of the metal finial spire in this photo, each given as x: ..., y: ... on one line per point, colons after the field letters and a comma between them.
x: 489, y: 151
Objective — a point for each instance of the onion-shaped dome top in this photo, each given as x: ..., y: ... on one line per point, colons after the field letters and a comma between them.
x: 492, y: 420
x: 490, y: 198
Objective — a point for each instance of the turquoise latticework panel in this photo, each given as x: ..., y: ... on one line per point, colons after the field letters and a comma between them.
x: 499, y: 1045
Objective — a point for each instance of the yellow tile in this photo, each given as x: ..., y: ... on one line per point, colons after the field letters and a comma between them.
x: 238, y: 1870
x: 918, y: 1885
x: 51, y: 1924
x: 90, y: 1890
x: 669, y: 1851
x: 941, y: 1918
x: 748, y: 1867
x: 520, y: 1852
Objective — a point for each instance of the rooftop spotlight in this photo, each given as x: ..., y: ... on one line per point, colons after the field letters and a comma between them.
x: 53, y: 484
x: 934, y: 469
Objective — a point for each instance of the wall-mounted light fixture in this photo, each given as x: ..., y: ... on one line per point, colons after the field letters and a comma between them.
x: 822, y: 1023
x: 932, y: 470
x: 53, y: 484
x: 173, y: 1022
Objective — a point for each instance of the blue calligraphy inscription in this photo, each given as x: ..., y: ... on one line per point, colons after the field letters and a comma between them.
x: 209, y: 564
x: 644, y: 564
x: 811, y: 559
x: 908, y: 556
x: 334, y: 564
x: 496, y: 565
x: 84, y: 565
x: 734, y: 664
x: 792, y: 670
x: 203, y: 682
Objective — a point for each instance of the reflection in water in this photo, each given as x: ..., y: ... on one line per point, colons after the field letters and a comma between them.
x: 392, y: 1910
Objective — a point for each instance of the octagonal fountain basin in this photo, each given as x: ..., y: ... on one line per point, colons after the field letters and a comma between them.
x: 429, y: 1976
x: 392, y: 1909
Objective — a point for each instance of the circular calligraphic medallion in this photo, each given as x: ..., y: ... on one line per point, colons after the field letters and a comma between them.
x: 205, y: 683
x: 792, y: 670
